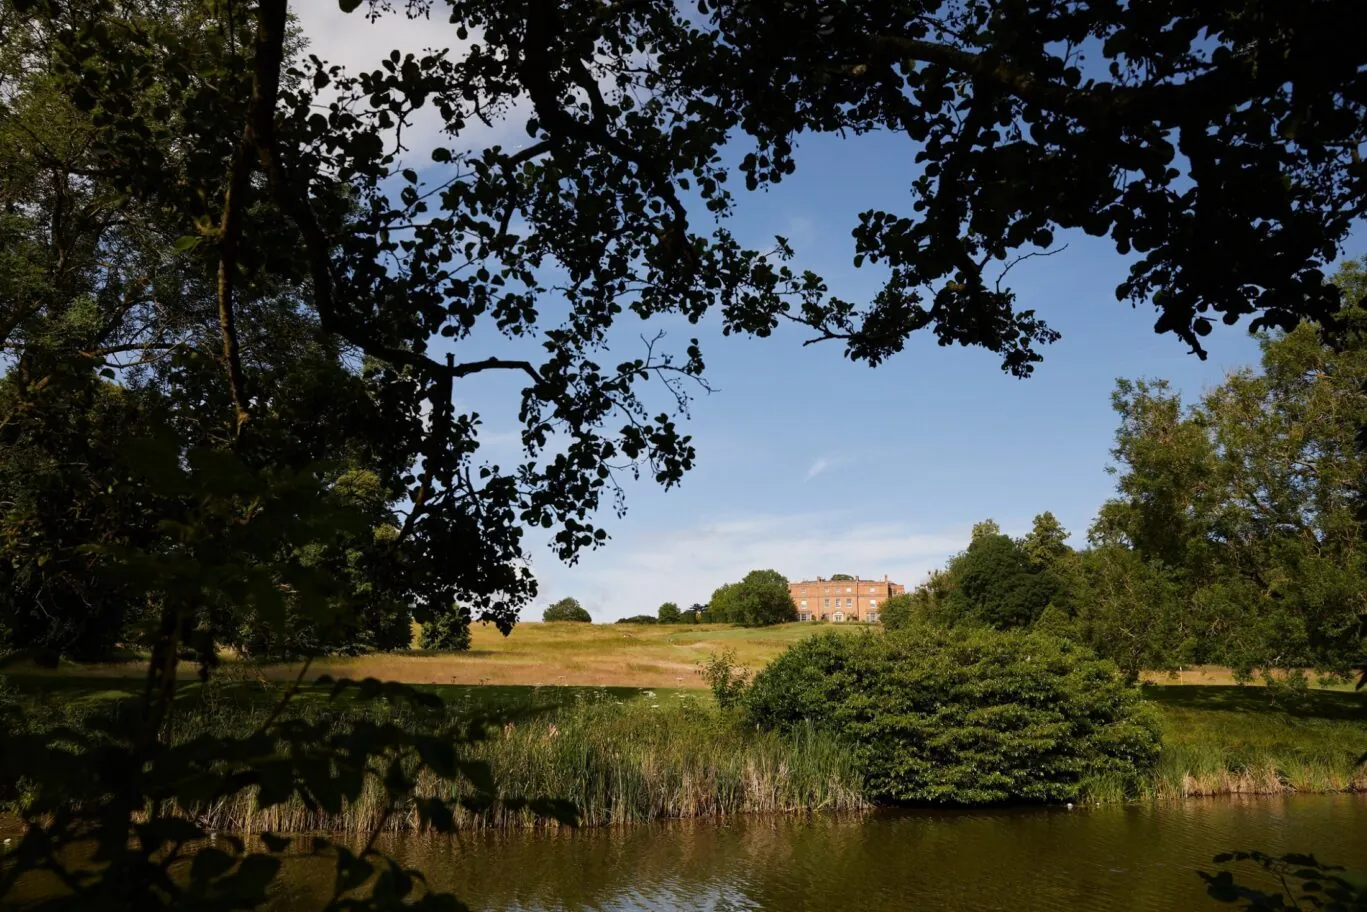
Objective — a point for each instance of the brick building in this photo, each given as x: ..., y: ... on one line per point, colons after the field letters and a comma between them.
x: 842, y: 600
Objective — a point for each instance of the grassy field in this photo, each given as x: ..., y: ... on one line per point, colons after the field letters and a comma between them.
x: 568, y: 654
x: 1220, y: 740
x: 600, y: 655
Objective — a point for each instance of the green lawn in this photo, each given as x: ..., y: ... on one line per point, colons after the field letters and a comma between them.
x: 1231, y: 739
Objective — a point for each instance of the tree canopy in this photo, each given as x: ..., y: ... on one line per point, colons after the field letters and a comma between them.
x: 1236, y: 534
x: 760, y: 599
x: 567, y: 609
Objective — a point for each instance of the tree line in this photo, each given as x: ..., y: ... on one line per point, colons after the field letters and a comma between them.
x: 1236, y: 536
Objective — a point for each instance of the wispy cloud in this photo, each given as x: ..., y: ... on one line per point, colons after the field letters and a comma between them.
x: 821, y: 465
x: 635, y: 573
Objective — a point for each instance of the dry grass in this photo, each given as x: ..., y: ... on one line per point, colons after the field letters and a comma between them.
x: 592, y: 655
x: 1220, y: 676
x: 602, y: 655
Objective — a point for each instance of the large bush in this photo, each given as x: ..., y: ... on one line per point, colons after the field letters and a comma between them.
x: 964, y: 716
x: 761, y: 599
x: 567, y: 609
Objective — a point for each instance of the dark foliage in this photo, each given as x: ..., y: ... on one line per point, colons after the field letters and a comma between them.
x: 449, y: 632
x: 997, y: 584
x: 1316, y: 885
x: 964, y: 716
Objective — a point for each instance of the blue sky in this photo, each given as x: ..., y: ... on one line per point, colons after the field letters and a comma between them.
x: 811, y: 464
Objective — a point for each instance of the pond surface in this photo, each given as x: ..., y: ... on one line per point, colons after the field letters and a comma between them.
x: 1132, y: 858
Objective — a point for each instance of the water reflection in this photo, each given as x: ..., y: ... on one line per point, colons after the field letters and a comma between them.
x: 1140, y: 858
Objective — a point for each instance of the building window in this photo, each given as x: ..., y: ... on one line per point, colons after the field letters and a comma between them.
x: 873, y: 603
x: 838, y: 617
x: 804, y: 603
x: 804, y: 616
x: 849, y: 603
x: 849, y: 588
x: 828, y: 604
x: 873, y: 616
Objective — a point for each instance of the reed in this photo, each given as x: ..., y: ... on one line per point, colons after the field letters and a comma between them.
x: 624, y: 756
x: 617, y: 761
x: 1246, y: 741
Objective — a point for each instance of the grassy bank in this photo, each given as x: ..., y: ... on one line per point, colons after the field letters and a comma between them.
x: 619, y: 755
x: 1232, y: 740
x: 625, y: 755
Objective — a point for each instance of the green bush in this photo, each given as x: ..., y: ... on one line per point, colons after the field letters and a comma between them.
x: 447, y: 632
x: 898, y: 612
x: 965, y: 716
x: 567, y: 609
x: 726, y: 680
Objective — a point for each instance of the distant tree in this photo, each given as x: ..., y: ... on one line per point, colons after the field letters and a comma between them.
x: 930, y: 597
x: 1046, y: 546
x: 447, y: 632
x: 1166, y: 466
x: 996, y: 584
x: 639, y: 619
x: 760, y: 599
x: 696, y: 612
x: 840, y: 577
x: 1047, y: 542
x: 669, y: 613
x: 898, y: 612
x: 1135, y: 612
x: 567, y: 609
x: 719, y: 608
x: 984, y: 529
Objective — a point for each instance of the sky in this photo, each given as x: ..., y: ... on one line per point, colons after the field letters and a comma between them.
x: 811, y: 464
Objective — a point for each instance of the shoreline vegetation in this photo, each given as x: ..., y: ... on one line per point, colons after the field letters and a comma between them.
x: 631, y: 755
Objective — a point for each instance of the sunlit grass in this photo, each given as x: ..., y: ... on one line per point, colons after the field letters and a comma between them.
x: 1242, y: 740
x: 606, y: 655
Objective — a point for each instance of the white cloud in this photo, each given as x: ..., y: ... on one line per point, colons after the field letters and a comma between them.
x: 352, y: 41
x: 821, y: 465
x: 634, y: 575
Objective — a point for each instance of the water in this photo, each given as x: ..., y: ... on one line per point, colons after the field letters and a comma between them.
x: 1132, y: 858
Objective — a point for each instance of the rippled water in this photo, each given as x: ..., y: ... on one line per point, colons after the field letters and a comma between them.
x: 1132, y: 858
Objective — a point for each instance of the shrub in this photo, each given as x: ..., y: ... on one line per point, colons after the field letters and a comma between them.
x: 964, y: 716
x: 447, y: 632
x: 639, y: 619
x: 726, y: 680
x: 567, y: 609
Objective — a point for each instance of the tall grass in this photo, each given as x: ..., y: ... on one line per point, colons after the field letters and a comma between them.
x: 1248, y: 741
x: 625, y: 756
x: 618, y: 761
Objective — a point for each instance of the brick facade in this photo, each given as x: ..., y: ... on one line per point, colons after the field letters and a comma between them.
x: 842, y: 600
